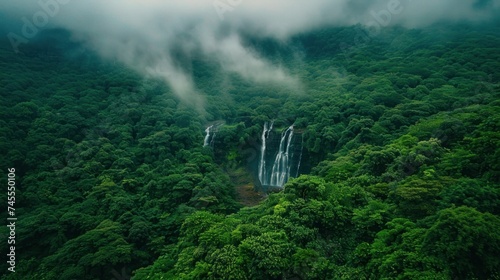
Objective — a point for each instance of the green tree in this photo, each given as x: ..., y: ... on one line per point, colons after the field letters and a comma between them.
x: 467, y: 242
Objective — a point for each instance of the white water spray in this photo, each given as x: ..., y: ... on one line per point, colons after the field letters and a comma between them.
x: 281, y: 167
x: 206, y: 142
x: 262, y: 162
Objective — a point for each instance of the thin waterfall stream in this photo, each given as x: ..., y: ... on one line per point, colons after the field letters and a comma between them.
x: 206, y: 141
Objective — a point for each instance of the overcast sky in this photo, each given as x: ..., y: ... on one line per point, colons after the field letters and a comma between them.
x: 141, y: 34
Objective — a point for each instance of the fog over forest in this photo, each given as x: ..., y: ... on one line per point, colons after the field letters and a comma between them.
x: 144, y: 35
x: 250, y: 139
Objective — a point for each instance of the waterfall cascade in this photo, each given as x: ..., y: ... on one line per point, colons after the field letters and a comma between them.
x: 284, y: 158
x: 210, y: 133
x: 281, y: 167
x: 207, y: 136
x: 262, y: 162
x: 300, y: 157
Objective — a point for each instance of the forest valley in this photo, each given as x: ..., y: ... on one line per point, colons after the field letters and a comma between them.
x: 398, y: 175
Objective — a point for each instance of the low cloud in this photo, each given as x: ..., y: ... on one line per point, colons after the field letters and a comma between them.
x: 150, y: 36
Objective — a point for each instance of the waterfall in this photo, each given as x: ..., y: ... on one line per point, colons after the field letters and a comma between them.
x: 210, y: 133
x: 285, y: 157
x: 206, y: 142
x: 300, y: 157
x: 262, y: 162
x: 281, y: 167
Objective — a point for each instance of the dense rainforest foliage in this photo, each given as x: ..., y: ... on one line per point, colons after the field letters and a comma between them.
x: 400, y: 177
